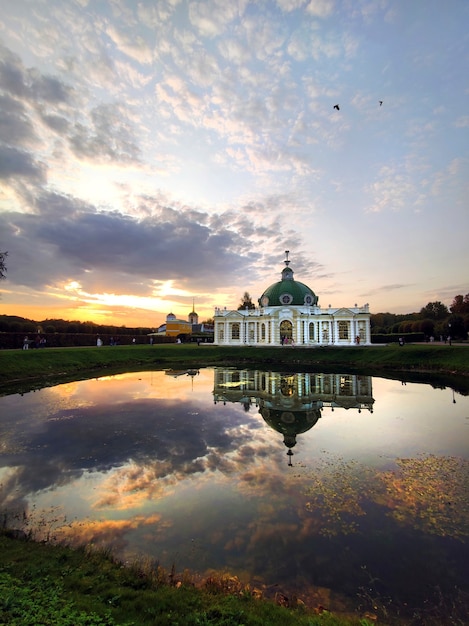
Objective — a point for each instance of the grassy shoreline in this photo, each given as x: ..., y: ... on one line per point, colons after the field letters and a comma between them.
x: 23, y: 370
x: 42, y: 583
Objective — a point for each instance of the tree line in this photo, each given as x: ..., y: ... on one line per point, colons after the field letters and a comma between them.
x: 15, y: 324
x: 433, y: 320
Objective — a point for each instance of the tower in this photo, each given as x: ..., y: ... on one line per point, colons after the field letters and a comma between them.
x: 193, y: 317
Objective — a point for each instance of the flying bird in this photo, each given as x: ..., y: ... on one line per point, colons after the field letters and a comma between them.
x: 380, y: 103
x: 336, y: 106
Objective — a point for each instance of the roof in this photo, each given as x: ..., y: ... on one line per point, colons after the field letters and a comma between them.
x: 288, y: 291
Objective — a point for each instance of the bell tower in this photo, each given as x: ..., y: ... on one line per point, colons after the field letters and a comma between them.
x: 193, y: 317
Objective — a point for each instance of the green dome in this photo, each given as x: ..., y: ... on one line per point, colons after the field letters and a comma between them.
x: 288, y: 292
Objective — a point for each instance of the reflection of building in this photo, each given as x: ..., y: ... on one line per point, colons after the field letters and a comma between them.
x: 289, y: 313
x: 177, y: 373
x: 290, y: 403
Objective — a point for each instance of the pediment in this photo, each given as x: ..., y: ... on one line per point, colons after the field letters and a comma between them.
x: 344, y: 313
x: 234, y: 315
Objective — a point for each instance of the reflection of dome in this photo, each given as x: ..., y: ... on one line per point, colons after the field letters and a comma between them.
x: 288, y: 292
x: 290, y: 423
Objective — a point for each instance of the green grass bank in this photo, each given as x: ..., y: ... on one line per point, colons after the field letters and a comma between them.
x: 45, y: 584
x: 23, y: 369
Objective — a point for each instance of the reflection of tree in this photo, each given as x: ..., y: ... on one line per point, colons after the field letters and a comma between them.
x: 428, y: 493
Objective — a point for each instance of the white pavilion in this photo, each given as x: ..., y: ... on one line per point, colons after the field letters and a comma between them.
x: 289, y: 314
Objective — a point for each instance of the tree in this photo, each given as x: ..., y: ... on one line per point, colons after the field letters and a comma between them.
x: 434, y: 311
x: 456, y: 327
x: 460, y: 305
x: 246, y: 302
x: 427, y: 327
x: 3, y: 267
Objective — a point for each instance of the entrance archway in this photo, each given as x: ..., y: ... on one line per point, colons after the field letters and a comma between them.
x: 286, y: 331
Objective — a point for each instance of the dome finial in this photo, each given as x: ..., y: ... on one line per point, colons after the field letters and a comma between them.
x: 287, y: 262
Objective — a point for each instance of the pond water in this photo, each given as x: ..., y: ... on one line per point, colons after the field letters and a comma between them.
x: 347, y: 491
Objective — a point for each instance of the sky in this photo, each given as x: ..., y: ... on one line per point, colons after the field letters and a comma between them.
x: 159, y: 155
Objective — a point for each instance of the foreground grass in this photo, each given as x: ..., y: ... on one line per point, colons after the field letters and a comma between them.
x: 48, y: 366
x: 47, y: 584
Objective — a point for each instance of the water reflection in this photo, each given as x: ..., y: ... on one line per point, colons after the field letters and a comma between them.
x: 188, y: 467
x: 292, y: 403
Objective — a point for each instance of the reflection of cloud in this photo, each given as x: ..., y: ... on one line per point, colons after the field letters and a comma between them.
x: 131, y: 486
x: 125, y: 428
x: 109, y: 533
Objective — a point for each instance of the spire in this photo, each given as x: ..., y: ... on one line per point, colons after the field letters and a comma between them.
x: 287, y: 272
x: 193, y: 317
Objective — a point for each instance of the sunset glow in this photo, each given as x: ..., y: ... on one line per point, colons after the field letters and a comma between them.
x: 168, y: 158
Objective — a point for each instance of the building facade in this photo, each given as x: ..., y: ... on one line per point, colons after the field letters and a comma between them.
x: 289, y: 314
x: 189, y: 330
x: 175, y: 327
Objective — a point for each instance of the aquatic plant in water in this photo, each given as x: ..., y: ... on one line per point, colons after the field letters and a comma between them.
x: 427, y: 493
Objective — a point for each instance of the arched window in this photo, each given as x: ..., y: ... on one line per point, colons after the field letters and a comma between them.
x: 235, y: 331
x: 286, y: 331
x: 263, y: 332
x: 311, y: 332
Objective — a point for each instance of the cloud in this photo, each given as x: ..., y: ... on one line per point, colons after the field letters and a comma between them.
x: 17, y: 163
x: 462, y: 121
x: 320, y: 8
x: 134, y: 47
x: 16, y: 128
x: 386, y: 289
x: 394, y: 190
x: 30, y: 84
x: 109, y: 136
x: 212, y: 18
x: 167, y: 244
